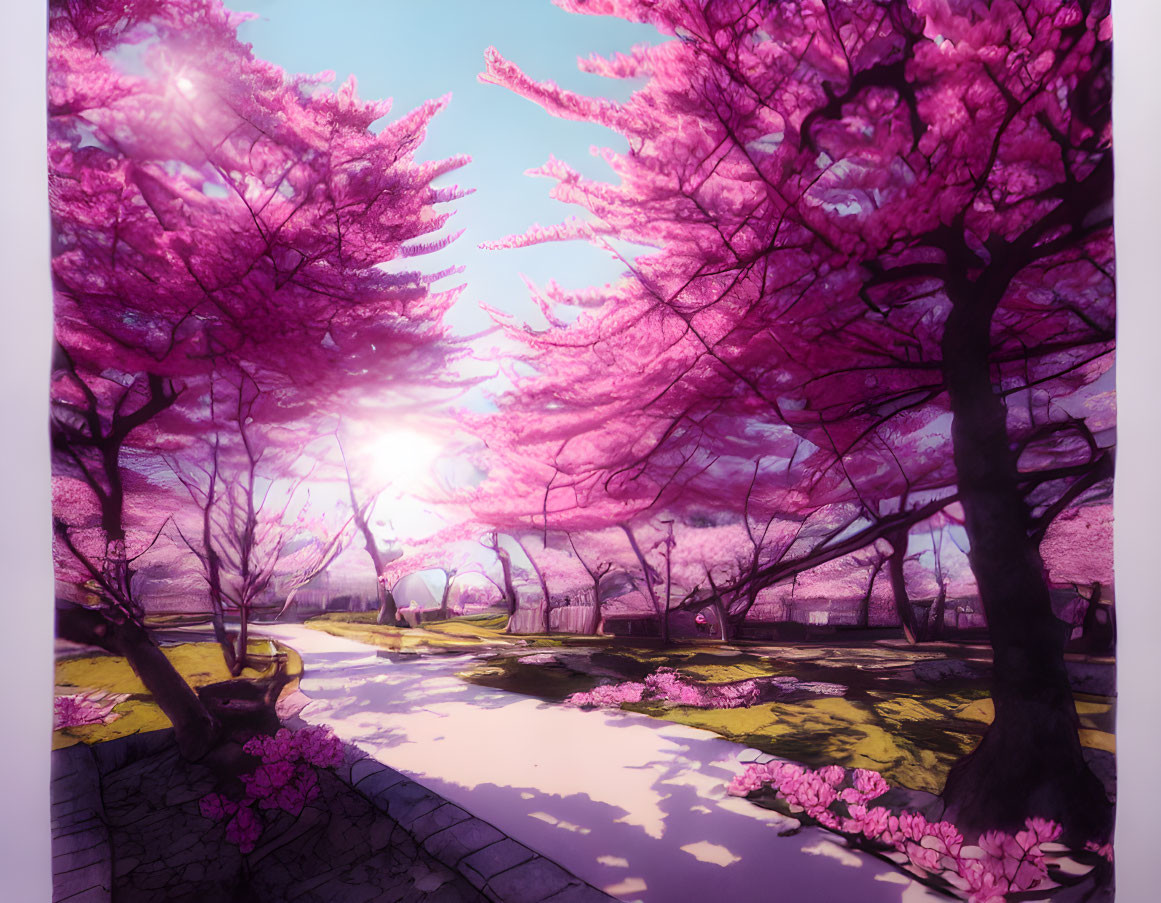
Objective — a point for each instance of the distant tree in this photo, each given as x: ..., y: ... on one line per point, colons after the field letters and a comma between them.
x: 208, y: 209
x: 506, y: 585
x: 361, y: 512
x: 246, y: 477
x: 598, y: 553
x: 885, y: 229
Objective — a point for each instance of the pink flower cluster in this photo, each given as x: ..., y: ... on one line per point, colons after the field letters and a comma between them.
x: 1104, y: 850
x: 812, y: 792
x: 243, y: 827
x: 667, y: 685
x: 609, y: 696
x: 315, y: 745
x: 999, y: 865
x: 84, y: 708
x: 286, y: 780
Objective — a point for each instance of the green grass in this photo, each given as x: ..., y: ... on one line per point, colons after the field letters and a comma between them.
x: 914, y: 751
x: 911, y: 732
x: 439, y: 636
x: 460, y: 634
x: 199, y: 663
x: 508, y: 672
x: 179, y: 619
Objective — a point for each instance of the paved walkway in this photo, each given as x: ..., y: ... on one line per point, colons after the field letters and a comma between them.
x: 631, y: 804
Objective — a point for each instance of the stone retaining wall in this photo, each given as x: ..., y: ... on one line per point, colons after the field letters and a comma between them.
x: 504, y: 870
x: 82, y: 864
x: 84, y: 871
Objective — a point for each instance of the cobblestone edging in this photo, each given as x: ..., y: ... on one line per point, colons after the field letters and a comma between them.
x: 502, y: 870
x: 82, y: 854
x: 82, y: 860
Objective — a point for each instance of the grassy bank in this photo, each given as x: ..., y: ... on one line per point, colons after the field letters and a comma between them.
x: 475, y: 632
x: 199, y: 663
x: 909, y: 730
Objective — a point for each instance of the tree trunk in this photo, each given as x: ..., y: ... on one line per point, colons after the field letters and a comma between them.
x: 668, y: 582
x: 194, y: 728
x: 213, y: 570
x: 506, y: 571
x: 864, y: 613
x: 595, y: 574
x: 242, y: 658
x: 544, y: 605
x: 117, y: 568
x: 1029, y: 762
x: 935, y: 620
x: 903, y: 607
x: 736, y: 618
x: 594, y: 624
x: 447, y: 582
x: 1097, y: 635
x: 662, y: 616
x: 388, y: 612
x: 218, y: 622
x: 723, y: 619
x: 509, y: 590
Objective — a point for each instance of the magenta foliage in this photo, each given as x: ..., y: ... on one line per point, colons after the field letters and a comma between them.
x: 244, y: 828
x: 1104, y: 850
x: 667, y: 685
x: 218, y: 224
x: 312, y: 745
x: 285, y: 779
x: 880, y: 281
x: 816, y: 177
x: 821, y: 181
x: 84, y: 708
x: 608, y: 696
x: 999, y: 864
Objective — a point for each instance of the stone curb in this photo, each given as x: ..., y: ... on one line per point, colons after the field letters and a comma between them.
x: 502, y: 869
x: 82, y: 858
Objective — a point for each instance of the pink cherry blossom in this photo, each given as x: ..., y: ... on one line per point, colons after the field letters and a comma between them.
x: 285, y: 780
x: 871, y: 281
x: 1000, y: 864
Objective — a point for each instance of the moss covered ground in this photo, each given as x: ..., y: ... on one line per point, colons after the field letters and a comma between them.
x: 909, y: 730
x: 460, y: 635
x: 482, y: 631
x: 199, y: 663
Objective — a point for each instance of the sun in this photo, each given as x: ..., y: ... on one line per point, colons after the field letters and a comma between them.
x: 404, y: 459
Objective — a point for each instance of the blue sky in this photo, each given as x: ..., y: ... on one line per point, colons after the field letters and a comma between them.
x: 414, y: 51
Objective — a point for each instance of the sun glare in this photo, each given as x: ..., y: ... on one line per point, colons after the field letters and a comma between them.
x: 404, y: 459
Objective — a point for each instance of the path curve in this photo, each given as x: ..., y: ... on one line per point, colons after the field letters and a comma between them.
x: 631, y: 804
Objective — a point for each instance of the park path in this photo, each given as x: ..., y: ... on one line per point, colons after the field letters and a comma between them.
x: 631, y: 804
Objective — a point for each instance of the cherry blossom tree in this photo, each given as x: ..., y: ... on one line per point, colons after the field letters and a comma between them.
x: 453, y: 550
x: 599, y: 553
x: 209, y: 209
x: 883, y: 253
x: 1078, y: 553
x: 506, y: 585
x: 361, y: 512
x: 246, y: 476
